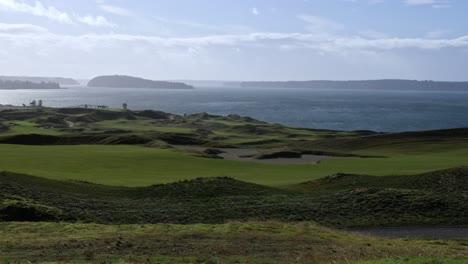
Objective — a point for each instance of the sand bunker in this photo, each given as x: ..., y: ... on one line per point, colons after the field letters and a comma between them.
x: 241, y: 154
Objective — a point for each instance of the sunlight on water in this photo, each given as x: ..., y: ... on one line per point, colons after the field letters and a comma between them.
x: 328, y: 109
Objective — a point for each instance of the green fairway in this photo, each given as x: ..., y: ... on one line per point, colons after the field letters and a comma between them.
x: 141, y: 166
x: 25, y: 127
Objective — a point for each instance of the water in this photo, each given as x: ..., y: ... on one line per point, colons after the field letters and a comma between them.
x: 328, y: 109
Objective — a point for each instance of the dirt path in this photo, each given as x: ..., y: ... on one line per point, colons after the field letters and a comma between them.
x: 415, y: 232
x: 70, y: 124
x: 238, y: 155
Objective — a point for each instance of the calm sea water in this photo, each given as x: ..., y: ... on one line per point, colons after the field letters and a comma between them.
x: 312, y: 108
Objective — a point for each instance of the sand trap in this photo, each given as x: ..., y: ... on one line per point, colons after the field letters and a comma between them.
x: 239, y: 153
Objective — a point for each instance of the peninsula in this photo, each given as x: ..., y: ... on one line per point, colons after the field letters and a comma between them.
x: 122, y: 81
x: 17, y: 85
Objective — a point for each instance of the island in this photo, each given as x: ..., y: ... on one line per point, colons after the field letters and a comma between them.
x: 389, y: 84
x: 17, y: 85
x: 123, y: 81
x: 59, y: 80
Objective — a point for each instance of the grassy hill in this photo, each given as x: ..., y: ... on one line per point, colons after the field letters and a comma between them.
x: 345, y: 200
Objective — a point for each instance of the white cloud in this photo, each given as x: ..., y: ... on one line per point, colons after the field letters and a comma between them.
x: 420, y: 2
x: 317, y: 24
x: 433, y: 3
x: 98, y: 21
x: 372, y: 34
x: 21, y: 29
x: 115, y: 10
x: 436, y: 34
x: 222, y: 28
x: 314, y: 42
x: 38, y: 9
x: 52, y: 13
x: 255, y: 11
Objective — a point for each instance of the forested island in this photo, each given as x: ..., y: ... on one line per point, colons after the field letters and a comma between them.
x: 366, y: 84
x: 122, y: 81
x: 59, y: 80
x: 17, y: 85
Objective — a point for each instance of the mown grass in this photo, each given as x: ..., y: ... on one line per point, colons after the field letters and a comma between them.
x: 248, y: 242
x: 141, y: 166
x: 25, y: 127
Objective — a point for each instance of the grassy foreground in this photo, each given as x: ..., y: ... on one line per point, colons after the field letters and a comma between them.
x: 250, y: 242
x: 93, y: 166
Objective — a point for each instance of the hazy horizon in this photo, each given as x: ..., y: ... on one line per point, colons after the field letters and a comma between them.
x: 236, y: 41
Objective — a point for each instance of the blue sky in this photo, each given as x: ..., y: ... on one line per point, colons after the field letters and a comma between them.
x: 236, y: 40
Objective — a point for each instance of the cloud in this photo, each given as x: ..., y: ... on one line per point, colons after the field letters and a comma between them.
x: 21, y: 29
x: 38, y: 9
x: 372, y: 34
x: 255, y: 11
x: 222, y: 28
x: 115, y: 10
x: 433, y: 3
x: 317, y: 24
x: 52, y: 13
x: 436, y: 34
x: 314, y: 42
x: 98, y: 21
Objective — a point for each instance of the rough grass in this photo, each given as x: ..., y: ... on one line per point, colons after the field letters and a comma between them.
x: 248, y: 242
x: 348, y: 201
x: 413, y: 261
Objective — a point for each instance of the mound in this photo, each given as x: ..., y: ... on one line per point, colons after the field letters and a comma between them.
x: 388, y: 139
x: 98, y: 116
x: 277, y: 154
x: 246, y: 119
x: 209, y: 187
x: 182, y: 139
x: 53, y: 121
x: 213, y: 200
x: 443, y: 180
x: 21, y: 115
x: 250, y: 130
x: 216, y: 200
x: 102, y: 139
x: 3, y: 127
x: 159, y: 115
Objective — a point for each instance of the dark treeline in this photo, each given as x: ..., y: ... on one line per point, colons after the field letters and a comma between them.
x: 59, y: 80
x: 370, y: 84
x: 121, y: 81
x: 16, y: 85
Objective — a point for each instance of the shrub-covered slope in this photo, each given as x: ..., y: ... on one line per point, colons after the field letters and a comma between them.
x: 428, y: 199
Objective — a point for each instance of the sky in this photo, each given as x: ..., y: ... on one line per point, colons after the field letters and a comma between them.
x: 236, y: 40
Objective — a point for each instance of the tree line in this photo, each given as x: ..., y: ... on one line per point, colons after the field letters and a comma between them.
x: 15, y: 85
